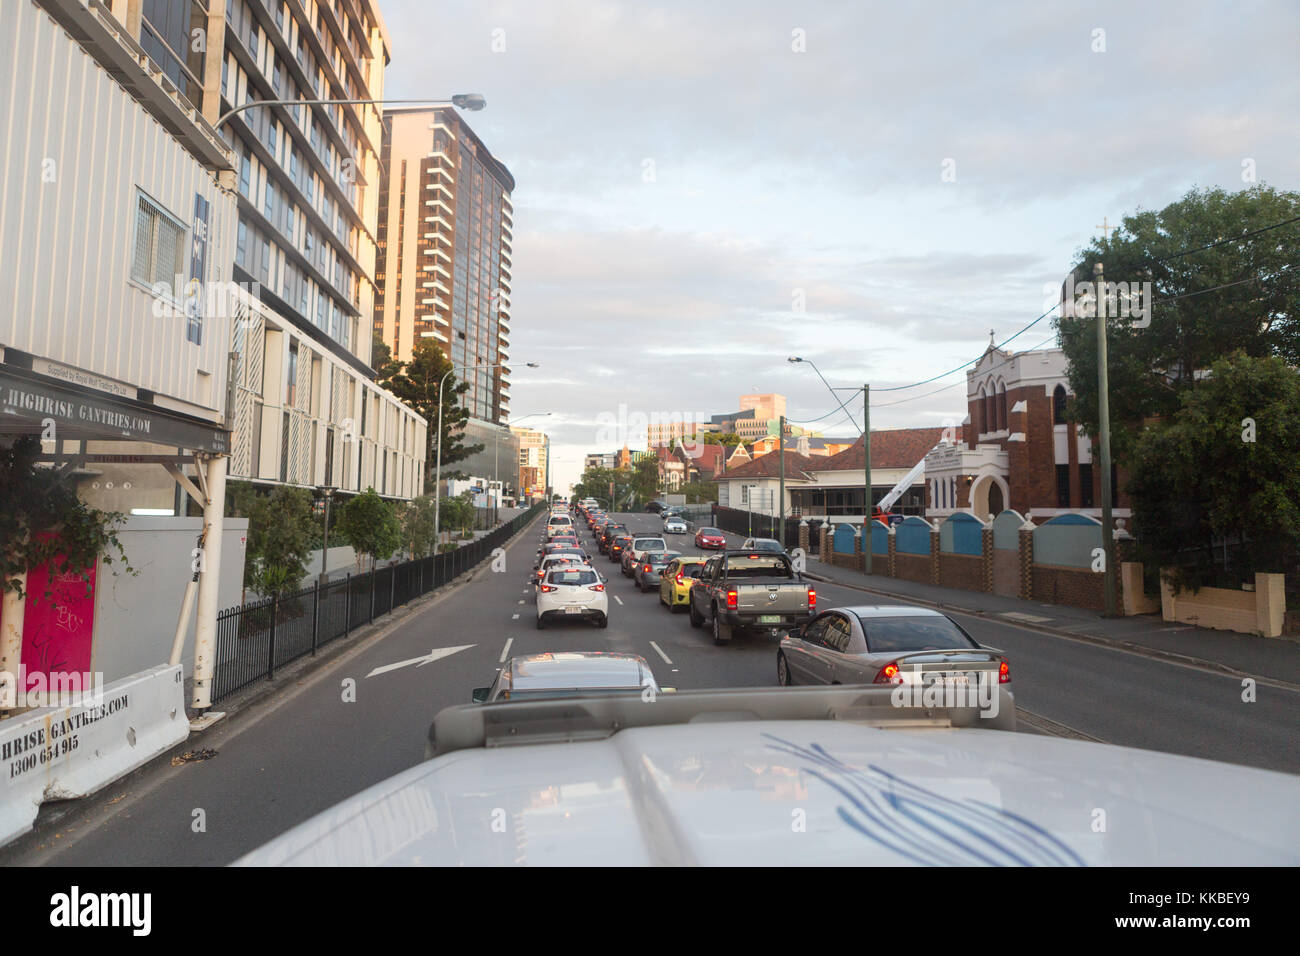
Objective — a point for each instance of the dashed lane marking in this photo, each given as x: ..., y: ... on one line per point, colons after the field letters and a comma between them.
x: 506, y: 650
x: 659, y: 651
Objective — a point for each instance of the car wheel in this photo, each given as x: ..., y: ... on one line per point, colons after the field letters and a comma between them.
x: 782, y: 671
x: 602, y: 621
x: 721, y: 632
x: 696, y: 619
x: 541, y: 623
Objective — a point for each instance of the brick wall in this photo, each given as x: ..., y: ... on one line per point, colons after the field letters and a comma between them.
x: 912, y: 567
x: 961, y: 571
x: 1070, y: 586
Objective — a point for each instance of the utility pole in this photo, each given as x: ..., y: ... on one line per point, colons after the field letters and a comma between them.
x: 1103, y: 440
x: 866, y: 465
x: 780, y: 450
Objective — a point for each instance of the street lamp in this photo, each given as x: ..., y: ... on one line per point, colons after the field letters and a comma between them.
x: 437, y: 477
x: 496, y: 445
x: 464, y: 101
x: 866, y: 448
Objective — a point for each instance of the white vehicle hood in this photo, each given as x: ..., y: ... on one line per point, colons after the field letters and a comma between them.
x: 808, y: 792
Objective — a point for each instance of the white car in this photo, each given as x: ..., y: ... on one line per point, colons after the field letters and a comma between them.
x: 553, y: 562
x: 573, y: 593
x: 558, y: 523
x: 717, y: 777
x: 674, y: 525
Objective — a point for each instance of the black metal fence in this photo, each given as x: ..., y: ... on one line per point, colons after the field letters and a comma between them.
x: 254, y: 640
x: 754, y: 525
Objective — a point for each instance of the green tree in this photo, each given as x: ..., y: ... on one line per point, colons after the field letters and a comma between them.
x: 458, y: 513
x: 645, y: 479
x: 1222, y: 469
x: 416, y: 383
x: 381, y: 360
x: 1152, y: 367
x: 698, y: 492
x: 371, y: 525
x: 42, y: 521
x: 418, y: 532
x: 281, y: 534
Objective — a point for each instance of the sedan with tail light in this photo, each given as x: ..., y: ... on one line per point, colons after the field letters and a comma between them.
x: 573, y: 593
x: 675, y: 584
x: 917, y: 650
x: 646, y: 572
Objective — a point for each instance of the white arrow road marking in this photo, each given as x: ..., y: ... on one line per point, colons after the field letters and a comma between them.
x: 660, y: 652
x: 435, y: 654
x: 505, y: 650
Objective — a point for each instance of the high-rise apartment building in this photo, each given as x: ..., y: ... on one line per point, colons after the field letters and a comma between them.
x: 534, y: 449
x: 445, y: 226
x: 307, y: 410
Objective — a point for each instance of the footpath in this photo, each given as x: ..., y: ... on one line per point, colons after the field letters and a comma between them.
x: 1274, y: 660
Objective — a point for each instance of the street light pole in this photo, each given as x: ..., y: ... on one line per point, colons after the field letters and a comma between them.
x: 464, y: 101
x: 866, y: 466
x: 1103, y: 439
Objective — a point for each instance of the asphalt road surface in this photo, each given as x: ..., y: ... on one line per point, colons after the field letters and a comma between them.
x: 307, y: 747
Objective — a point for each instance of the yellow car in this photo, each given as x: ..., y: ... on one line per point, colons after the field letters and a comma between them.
x: 675, y: 585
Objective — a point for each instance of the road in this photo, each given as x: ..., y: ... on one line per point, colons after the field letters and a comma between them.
x: 309, y: 746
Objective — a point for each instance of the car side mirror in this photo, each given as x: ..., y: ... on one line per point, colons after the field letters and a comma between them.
x: 481, y: 694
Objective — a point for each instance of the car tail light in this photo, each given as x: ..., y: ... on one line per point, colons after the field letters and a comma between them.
x: 889, y: 674
x: 595, y: 587
x: 812, y: 598
x: 549, y: 587
x: 679, y: 577
x: 731, y: 598
x: 646, y: 568
x: 1004, y: 672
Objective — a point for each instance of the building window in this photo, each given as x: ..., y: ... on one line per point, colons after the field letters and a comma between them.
x: 159, y: 244
x: 291, y: 384
x: 1085, y: 486
x: 1058, y: 405
x: 1062, y: 486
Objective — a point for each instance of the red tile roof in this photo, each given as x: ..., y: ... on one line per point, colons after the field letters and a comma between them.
x: 769, y: 466
x: 895, y: 448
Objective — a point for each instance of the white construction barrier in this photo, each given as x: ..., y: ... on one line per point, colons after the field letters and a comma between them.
x: 57, y: 753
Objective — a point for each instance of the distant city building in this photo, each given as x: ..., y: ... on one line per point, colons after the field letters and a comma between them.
x: 599, y: 460
x: 666, y: 434
x: 445, y: 227
x: 534, y: 451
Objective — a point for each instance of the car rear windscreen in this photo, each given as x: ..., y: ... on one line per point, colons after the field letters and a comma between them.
x: 712, y: 531
x: 581, y: 577
x: 890, y: 635
x: 641, y: 544
x: 756, y: 566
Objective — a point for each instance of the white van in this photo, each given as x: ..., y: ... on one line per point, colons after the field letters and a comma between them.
x: 559, y: 522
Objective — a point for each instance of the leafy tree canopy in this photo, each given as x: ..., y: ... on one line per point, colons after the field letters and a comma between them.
x: 1240, y: 295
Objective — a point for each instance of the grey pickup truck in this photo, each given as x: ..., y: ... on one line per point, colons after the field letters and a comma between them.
x: 749, y: 590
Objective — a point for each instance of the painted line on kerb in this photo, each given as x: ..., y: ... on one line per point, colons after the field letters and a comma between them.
x: 659, y: 651
x: 506, y: 650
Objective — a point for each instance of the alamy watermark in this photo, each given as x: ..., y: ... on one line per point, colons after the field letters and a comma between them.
x: 1116, y: 300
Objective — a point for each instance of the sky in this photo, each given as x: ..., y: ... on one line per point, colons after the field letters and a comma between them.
x: 706, y: 189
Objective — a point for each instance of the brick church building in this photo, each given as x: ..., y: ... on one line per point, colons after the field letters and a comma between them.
x: 1016, y: 448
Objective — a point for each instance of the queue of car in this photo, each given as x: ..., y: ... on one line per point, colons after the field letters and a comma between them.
x: 756, y: 588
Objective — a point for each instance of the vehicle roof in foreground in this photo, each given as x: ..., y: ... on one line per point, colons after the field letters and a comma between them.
x: 576, y: 669
x: 723, y: 777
